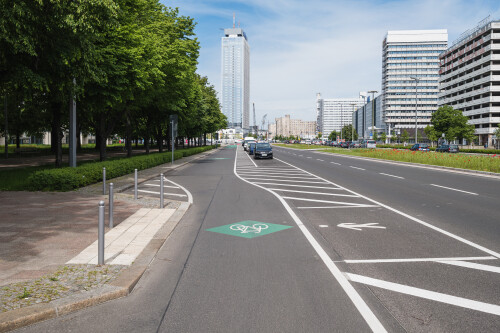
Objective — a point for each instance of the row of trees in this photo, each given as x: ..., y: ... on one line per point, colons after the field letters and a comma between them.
x: 130, y: 64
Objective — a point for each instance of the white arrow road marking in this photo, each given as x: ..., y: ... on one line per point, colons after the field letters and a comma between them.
x: 423, y: 293
x: 355, y: 226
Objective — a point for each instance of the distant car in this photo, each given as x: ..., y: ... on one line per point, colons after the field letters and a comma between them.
x: 448, y: 149
x: 263, y: 150
x: 344, y: 144
x: 371, y: 144
x: 251, y: 147
x: 420, y: 147
x: 245, y: 144
x: 355, y: 144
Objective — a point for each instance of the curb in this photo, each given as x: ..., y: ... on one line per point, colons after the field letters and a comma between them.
x: 122, y: 286
x: 415, y: 165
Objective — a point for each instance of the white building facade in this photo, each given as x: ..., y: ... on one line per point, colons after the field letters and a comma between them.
x: 235, y: 98
x: 286, y: 126
x: 410, y: 77
x: 470, y: 78
x: 335, y: 113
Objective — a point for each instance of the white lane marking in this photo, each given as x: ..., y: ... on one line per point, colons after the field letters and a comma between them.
x: 160, y: 185
x: 386, y: 174
x: 274, y: 176
x: 454, y: 189
x: 356, y: 167
x: 292, y: 181
x: 328, y: 207
x: 252, y: 161
x: 360, y: 227
x: 376, y: 261
x: 301, y: 155
x: 309, y: 157
x: 427, y: 294
x: 292, y: 185
x: 190, y: 196
x: 173, y: 194
x: 323, y: 226
x: 487, y: 268
x: 273, y: 173
x: 449, y: 234
x: 319, y: 160
x: 320, y: 193
x: 266, y: 168
x: 325, y: 201
x: 359, y: 303
x: 336, y: 163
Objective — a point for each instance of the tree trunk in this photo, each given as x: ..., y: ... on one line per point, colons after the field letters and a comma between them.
x: 205, y: 139
x: 159, y: 138
x: 102, y: 138
x: 146, y: 144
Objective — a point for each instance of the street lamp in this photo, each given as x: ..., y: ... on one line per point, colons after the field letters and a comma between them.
x: 416, y: 104
x: 373, y: 92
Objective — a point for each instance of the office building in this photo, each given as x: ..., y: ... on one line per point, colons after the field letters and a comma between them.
x: 285, y: 126
x: 470, y: 78
x: 369, y: 119
x: 410, y: 71
x: 335, y: 113
x: 235, y: 98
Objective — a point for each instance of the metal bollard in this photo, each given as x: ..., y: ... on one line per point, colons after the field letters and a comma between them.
x: 135, y: 185
x: 110, y: 205
x: 161, y: 190
x: 104, y: 181
x: 100, y: 255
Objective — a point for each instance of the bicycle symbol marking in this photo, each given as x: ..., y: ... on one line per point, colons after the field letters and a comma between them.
x: 244, y: 229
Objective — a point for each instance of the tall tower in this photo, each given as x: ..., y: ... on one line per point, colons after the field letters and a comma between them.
x: 235, y: 97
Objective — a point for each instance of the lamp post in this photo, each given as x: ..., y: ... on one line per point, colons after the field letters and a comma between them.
x: 416, y: 104
x: 373, y: 92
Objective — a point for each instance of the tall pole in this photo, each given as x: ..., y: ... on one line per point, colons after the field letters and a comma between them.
x: 352, y: 126
x: 341, y: 123
x: 373, y: 92
x: 416, y: 104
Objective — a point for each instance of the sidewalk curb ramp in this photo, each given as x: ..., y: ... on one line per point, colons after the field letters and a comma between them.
x: 122, y: 286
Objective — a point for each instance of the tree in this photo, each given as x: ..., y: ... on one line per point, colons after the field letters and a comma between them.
x: 405, y: 136
x: 383, y: 137
x: 452, y: 123
x: 431, y: 134
x: 333, y: 136
x: 497, y: 134
x: 375, y: 136
x: 348, y: 133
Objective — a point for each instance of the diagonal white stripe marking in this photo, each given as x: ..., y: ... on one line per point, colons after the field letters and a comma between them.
x: 286, y: 180
x: 487, y: 268
x: 320, y: 193
x: 427, y: 294
x: 325, y: 201
x: 276, y: 184
x: 370, y: 261
x: 286, y: 176
x: 329, y: 207
x: 454, y: 189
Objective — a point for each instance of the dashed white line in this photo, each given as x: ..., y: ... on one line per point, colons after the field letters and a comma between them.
x: 356, y: 167
x: 323, y: 226
x: 454, y: 189
x: 335, y: 163
x: 386, y: 174
x: 309, y: 157
x: 319, y: 160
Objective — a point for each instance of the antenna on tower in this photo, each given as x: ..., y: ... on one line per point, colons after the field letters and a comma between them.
x: 234, y: 20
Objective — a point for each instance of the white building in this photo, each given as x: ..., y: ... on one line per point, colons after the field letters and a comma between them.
x: 335, y: 113
x: 235, y: 98
x: 285, y: 126
x: 409, y: 56
x: 470, y: 78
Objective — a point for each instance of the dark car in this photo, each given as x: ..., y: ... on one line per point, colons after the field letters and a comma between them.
x: 263, y: 150
x: 420, y: 147
x: 355, y: 144
x: 448, y: 149
x: 344, y: 144
x: 251, y: 148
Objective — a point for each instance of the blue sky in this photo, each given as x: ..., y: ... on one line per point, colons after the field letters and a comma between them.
x: 299, y: 48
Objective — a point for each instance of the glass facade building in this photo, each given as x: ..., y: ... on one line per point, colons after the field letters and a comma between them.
x: 235, y: 99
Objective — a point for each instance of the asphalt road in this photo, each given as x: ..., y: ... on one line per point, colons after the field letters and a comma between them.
x: 317, y: 243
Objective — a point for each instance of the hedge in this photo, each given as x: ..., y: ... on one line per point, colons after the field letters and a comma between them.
x: 67, y: 179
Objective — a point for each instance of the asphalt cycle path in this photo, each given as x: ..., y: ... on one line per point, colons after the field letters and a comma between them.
x: 238, y: 261
x: 430, y: 254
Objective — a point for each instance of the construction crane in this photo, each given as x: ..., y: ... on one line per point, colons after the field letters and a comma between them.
x: 254, y: 121
x: 264, y: 124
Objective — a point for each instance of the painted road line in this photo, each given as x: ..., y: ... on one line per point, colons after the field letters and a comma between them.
x: 189, y: 195
x: 173, y: 194
x: 356, y: 167
x: 323, y: 226
x: 328, y: 207
x: 293, y: 185
x: 309, y: 157
x: 287, y: 177
x: 376, y: 261
x: 319, y: 160
x: 266, y: 168
x: 274, y: 173
x: 386, y: 174
x: 427, y: 294
x: 367, y: 314
x: 283, y: 180
x: 326, y: 201
x: 320, y: 193
x: 454, y: 189
x: 163, y: 185
x: 430, y: 226
x: 487, y: 268
x: 336, y: 163
x: 252, y: 161
x: 301, y: 155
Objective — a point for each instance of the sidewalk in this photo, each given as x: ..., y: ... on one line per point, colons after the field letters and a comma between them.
x: 49, y: 248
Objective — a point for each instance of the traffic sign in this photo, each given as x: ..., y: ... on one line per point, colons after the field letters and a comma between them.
x: 249, y: 229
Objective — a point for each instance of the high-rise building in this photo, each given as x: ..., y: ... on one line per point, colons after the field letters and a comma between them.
x: 410, y: 64
x: 470, y: 78
x: 285, y: 126
x: 335, y: 113
x: 369, y: 118
x: 235, y: 97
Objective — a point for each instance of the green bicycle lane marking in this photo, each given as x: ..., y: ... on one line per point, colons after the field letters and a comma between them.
x: 249, y: 229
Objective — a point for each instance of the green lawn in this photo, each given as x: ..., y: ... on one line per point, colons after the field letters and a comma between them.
x: 298, y: 146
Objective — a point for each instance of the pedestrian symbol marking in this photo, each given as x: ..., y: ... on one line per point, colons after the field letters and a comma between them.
x: 249, y: 229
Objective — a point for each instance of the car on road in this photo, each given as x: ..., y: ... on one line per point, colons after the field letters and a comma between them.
x: 355, y: 144
x: 371, y: 144
x: 447, y: 149
x: 263, y: 150
x: 420, y: 147
x: 344, y: 144
x: 251, y: 147
x: 246, y: 142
